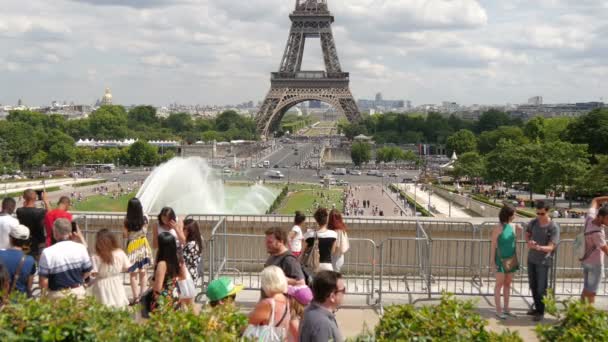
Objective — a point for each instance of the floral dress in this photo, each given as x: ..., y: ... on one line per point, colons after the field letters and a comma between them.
x: 192, y: 258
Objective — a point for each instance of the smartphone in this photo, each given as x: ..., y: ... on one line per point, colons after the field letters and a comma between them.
x: 74, y: 227
x: 39, y: 194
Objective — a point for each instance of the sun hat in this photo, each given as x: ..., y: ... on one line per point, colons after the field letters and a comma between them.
x: 302, y: 294
x: 20, y: 232
x: 221, y: 288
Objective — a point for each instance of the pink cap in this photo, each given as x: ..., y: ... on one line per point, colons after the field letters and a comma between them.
x: 302, y: 294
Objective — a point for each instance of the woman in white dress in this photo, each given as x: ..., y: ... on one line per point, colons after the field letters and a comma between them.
x: 109, y: 265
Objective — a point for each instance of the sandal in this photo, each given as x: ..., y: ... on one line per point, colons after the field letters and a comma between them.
x: 134, y: 301
x: 510, y: 314
x: 500, y: 316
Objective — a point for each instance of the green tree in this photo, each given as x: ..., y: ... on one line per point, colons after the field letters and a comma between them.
x: 108, y: 122
x: 535, y: 129
x: 61, y: 149
x: 142, y: 115
x: 488, y: 140
x: 500, y: 163
x: 227, y: 120
x: 562, y: 164
x: 211, y: 136
x: 461, y: 142
x: 38, y: 159
x: 142, y: 154
x: 595, y: 180
x: 470, y: 165
x: 590, y: 129
x: 493, y: 119
x: 555, y: 128
x: 179, y: 122
x: 22, y: 141
x: 361, y: 153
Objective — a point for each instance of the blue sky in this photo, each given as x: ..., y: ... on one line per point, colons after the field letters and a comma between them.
x: 222, y: 51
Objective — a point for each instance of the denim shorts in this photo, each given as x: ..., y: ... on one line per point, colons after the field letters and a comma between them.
x: 593, y: 277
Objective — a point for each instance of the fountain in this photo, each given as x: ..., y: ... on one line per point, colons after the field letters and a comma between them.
x: 190, y: 186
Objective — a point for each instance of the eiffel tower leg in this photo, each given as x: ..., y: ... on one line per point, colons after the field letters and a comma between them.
x: 294, y: 52
x: 330, y: 55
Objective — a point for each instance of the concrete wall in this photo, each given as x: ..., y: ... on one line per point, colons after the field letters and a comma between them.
x: 479, y: 208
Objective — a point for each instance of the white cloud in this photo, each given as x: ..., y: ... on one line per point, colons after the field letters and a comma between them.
x: 424, y: 50
x: 161, y: 60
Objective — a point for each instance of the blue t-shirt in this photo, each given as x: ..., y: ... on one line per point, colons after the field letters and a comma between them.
x: 11, y: 258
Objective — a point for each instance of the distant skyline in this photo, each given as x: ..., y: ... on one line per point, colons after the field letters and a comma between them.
x: 222, y: 52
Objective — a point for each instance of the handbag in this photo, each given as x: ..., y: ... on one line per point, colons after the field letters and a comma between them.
x: 187, y: 289
x: 508, y: 264
x: 310, y: 258
x: 267, y: 333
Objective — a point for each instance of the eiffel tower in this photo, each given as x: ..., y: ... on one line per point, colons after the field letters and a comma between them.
x: 292, y: 85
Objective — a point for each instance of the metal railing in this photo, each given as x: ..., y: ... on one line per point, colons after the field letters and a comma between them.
x: 388, y: 258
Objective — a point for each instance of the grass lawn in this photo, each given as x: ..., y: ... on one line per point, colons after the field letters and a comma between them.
x: 104, y: 203
x: 302, y: 197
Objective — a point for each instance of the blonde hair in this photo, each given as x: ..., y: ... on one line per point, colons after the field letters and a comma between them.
x: 273, y: 281
x: 296, y: 308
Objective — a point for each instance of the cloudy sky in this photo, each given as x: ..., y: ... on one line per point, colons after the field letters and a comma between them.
x: 222, y: 51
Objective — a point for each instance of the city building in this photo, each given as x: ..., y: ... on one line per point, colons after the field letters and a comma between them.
x: 106, y: 100
x: 535, y: 101
x: 380, y: 105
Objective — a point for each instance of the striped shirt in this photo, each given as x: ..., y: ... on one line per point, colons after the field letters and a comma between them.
x: 64, y: 264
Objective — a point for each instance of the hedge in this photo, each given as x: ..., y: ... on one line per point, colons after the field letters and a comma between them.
x: 70, y: 319
x: 277, y: 202
x: 421, y: 209
x: 100, y: 181
x: 451, y: 320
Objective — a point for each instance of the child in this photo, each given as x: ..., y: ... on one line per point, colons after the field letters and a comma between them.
x: 299, y: 298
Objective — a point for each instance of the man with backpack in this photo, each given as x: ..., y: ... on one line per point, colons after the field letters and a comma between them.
x: 280, y: 256
x: 542, y: 236
x: 595, y: 248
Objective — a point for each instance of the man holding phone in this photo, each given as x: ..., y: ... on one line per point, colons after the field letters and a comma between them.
x: 63, y: 205
x: 33, y: 217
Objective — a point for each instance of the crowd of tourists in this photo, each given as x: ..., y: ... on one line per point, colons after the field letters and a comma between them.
x: 301, y: 282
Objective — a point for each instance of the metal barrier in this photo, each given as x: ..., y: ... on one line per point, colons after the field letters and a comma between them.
x: 405, y: 267
x: 420, y: 258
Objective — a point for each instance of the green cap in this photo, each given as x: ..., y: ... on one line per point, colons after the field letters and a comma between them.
x: 221, y: 288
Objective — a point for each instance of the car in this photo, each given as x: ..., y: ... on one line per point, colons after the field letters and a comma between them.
x: 253, y: 166
x: 125, y: 171
x: 275, y: 166
x: 380, y: 174
x: 342, y: 182
x: 275, y: 174
x: 393, y: 174
x: 355, y: 172
x: 372, y: 172
x: 227, y: 171
x: 260, y: 165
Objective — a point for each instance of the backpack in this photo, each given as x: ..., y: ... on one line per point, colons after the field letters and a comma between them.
x: 307, y: 276
x: 310, y: 257
x: 580, y: 244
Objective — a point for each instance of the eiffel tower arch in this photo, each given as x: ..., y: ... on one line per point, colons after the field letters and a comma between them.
x: 292, y: 85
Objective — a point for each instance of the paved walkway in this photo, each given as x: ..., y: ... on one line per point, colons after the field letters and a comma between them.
x: 441, y: 207
x: 380, y: 201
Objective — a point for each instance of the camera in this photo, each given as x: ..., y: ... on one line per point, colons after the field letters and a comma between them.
x: 74, y: 227
x: 39, y: 194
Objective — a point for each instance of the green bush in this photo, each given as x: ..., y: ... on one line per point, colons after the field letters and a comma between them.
x: 99, y: 181
x: 73, y: 320
x: 451, y: 320
x: 577, y: 321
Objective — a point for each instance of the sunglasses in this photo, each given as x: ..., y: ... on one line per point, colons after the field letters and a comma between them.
x: 541, y: 214
x: 341, y: 291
